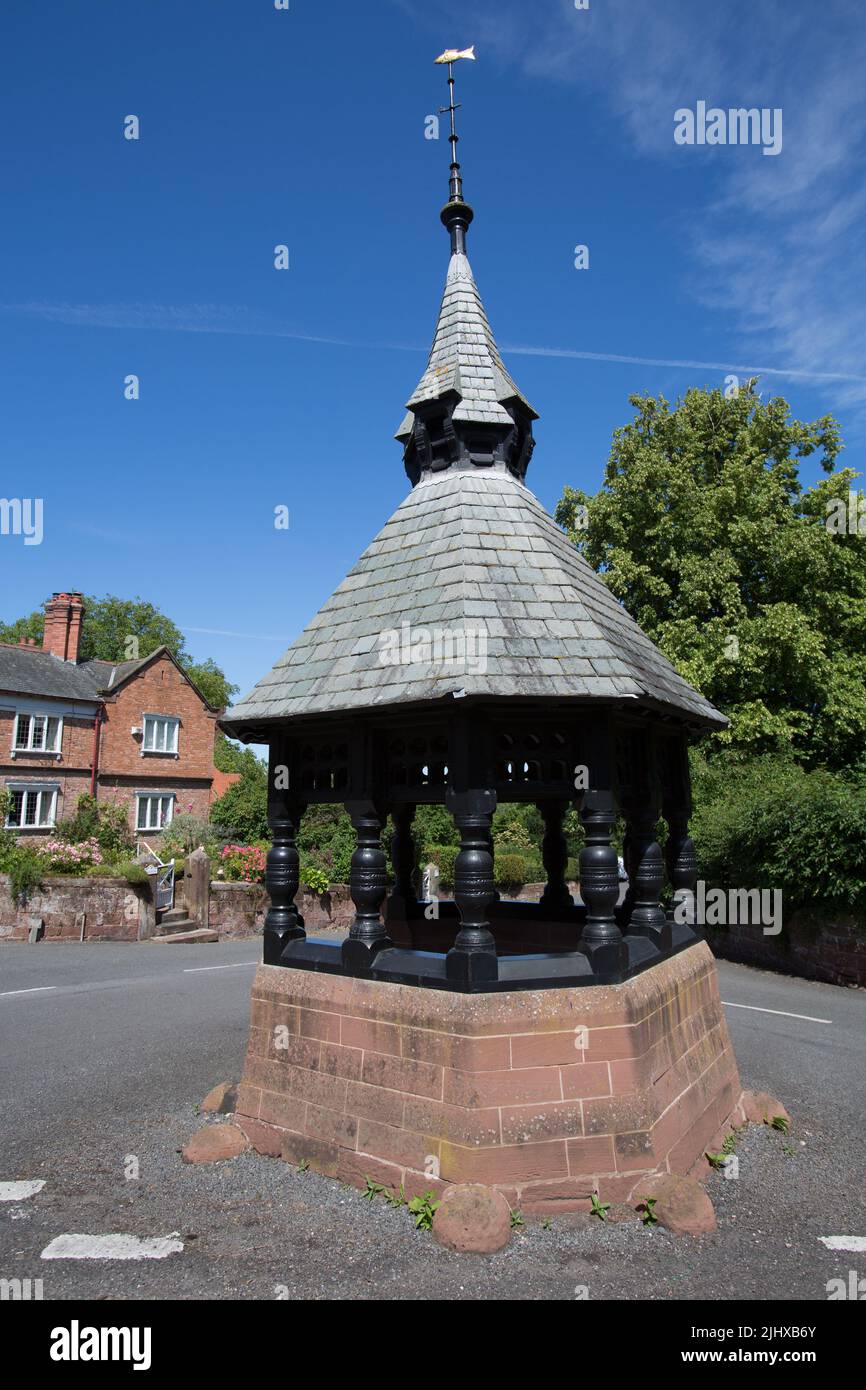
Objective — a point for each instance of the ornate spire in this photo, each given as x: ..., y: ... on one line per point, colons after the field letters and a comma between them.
x: 466, y: 411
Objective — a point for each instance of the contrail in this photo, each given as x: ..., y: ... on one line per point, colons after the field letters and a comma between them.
x: 209, y: 318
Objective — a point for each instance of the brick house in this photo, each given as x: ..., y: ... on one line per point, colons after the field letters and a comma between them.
x: 136, y: 733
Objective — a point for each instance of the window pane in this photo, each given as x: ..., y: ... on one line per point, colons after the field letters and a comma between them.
x: 16, y: 810
x: 22, y: 735
x: 52, y: 741
x: 37, y: 738
x: 30, y: 803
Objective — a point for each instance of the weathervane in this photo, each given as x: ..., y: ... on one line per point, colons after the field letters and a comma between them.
x: 456, y: 214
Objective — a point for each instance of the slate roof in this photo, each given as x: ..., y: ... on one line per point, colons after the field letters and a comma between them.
x: 464, y: 357
x: 470, y: 550
x: 33, y: 671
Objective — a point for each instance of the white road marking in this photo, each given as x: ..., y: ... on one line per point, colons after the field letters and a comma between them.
x: 856, y: 1245
x: 200, y: 969
x: 37, y: 989
x: 20, y: 1191
x: 782, y: 1013
x: 113, y: 1247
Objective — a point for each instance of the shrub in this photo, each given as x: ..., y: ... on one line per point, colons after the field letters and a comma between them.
x: 105, y: 823
x: 444, y: 857
x: 316, y: 880
x: 509, y: 872
x: 243, y: 863
x: 327, y: 841
x: 63, y: 857
x: 25, y: 868
x: 242, y: 810
x: 184, y: 835
x: 769, y: 823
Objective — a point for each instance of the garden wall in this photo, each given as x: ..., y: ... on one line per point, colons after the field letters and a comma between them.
x: 810, y: 944
x: 109, y: 909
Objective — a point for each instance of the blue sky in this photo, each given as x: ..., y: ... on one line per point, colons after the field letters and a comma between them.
x: 262, y: 388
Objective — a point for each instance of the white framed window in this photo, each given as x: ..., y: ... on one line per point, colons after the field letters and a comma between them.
x: 31, y: 807
x: 160, y: 734
x: 154, y: 810
x: 38, y: 733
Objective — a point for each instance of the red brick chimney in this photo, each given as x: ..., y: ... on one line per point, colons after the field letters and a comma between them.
x: 63, y: 614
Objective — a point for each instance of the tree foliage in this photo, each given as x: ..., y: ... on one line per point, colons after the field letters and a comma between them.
x: 703, y: 530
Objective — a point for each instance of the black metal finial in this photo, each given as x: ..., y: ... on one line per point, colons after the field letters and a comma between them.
x: 456, y: 214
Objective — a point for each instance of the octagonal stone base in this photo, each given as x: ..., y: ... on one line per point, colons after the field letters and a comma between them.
x: 548, y: 1095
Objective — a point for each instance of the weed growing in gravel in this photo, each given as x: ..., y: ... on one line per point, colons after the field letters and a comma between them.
x: 372, y: 1190
x: 396, y: 1199
x: 304, y: 1165
x: 424, y: 1209
x: 780, y: 1122
x: 598, y: 1208
x: 516, y: 1221
x: 646, y: 1207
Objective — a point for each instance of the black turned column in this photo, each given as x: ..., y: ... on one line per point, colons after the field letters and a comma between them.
x: 283, y: 922
x: 403, y: 895
x: 472, y: 958
x: 682, y: 865
x: 680, y: 856
x: 554, y: 854
x: 646, y: 879
x: 602, y: 940
x: 367, y: 884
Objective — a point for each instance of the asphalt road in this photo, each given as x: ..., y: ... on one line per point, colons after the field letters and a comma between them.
x: 105, y: 1051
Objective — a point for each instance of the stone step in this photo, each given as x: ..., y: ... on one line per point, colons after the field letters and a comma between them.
x: 202, y: 936
x: 172, y: 914
x: 168, y: 927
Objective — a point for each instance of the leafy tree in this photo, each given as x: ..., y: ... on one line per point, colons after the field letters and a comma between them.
x: 242, y: 810
x: 704, y: 532
x: 212, y: 682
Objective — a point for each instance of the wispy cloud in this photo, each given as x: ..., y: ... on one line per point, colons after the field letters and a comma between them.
x: 214, y: 318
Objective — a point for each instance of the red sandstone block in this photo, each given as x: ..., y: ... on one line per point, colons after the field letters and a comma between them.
x: 548, y: 1198
x: 592, y: 1155
x: 372, y: 1036
x: 547, y: 1049
x: 522, y: 1123
x: 615, y: 1043
x: 584, y: 1080
x: 620, y: 1187
x: 356, y: 1168
x: 341, y: 1061
x: 455, y: 1123
x: 502, y: 1087
x: 265, y: 1139
x: 300, y: 1052
x: 402, y: 1074
x: 634, y: 1151
x: 316, y: 1087
x: 248, y: 1101
x: 334, y: 1128
x: 512, y: 1163
x: 314, y: 1023
x: 322, y: 1157
x: 375, y: 1103
x: 285, y: 1111
x: 457, y: 1052
x: 617, y: 1114
x: 410, y: 1150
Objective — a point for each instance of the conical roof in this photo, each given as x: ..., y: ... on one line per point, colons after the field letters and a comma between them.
x: 469, y: 551
x: 464, y: 358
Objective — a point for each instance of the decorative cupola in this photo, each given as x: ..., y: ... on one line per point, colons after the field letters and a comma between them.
x: 465, y: 412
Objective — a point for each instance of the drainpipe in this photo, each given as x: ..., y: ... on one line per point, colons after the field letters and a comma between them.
x: 97, y: 724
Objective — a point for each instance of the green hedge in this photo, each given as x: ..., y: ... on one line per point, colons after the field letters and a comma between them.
x: 770, y: 823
